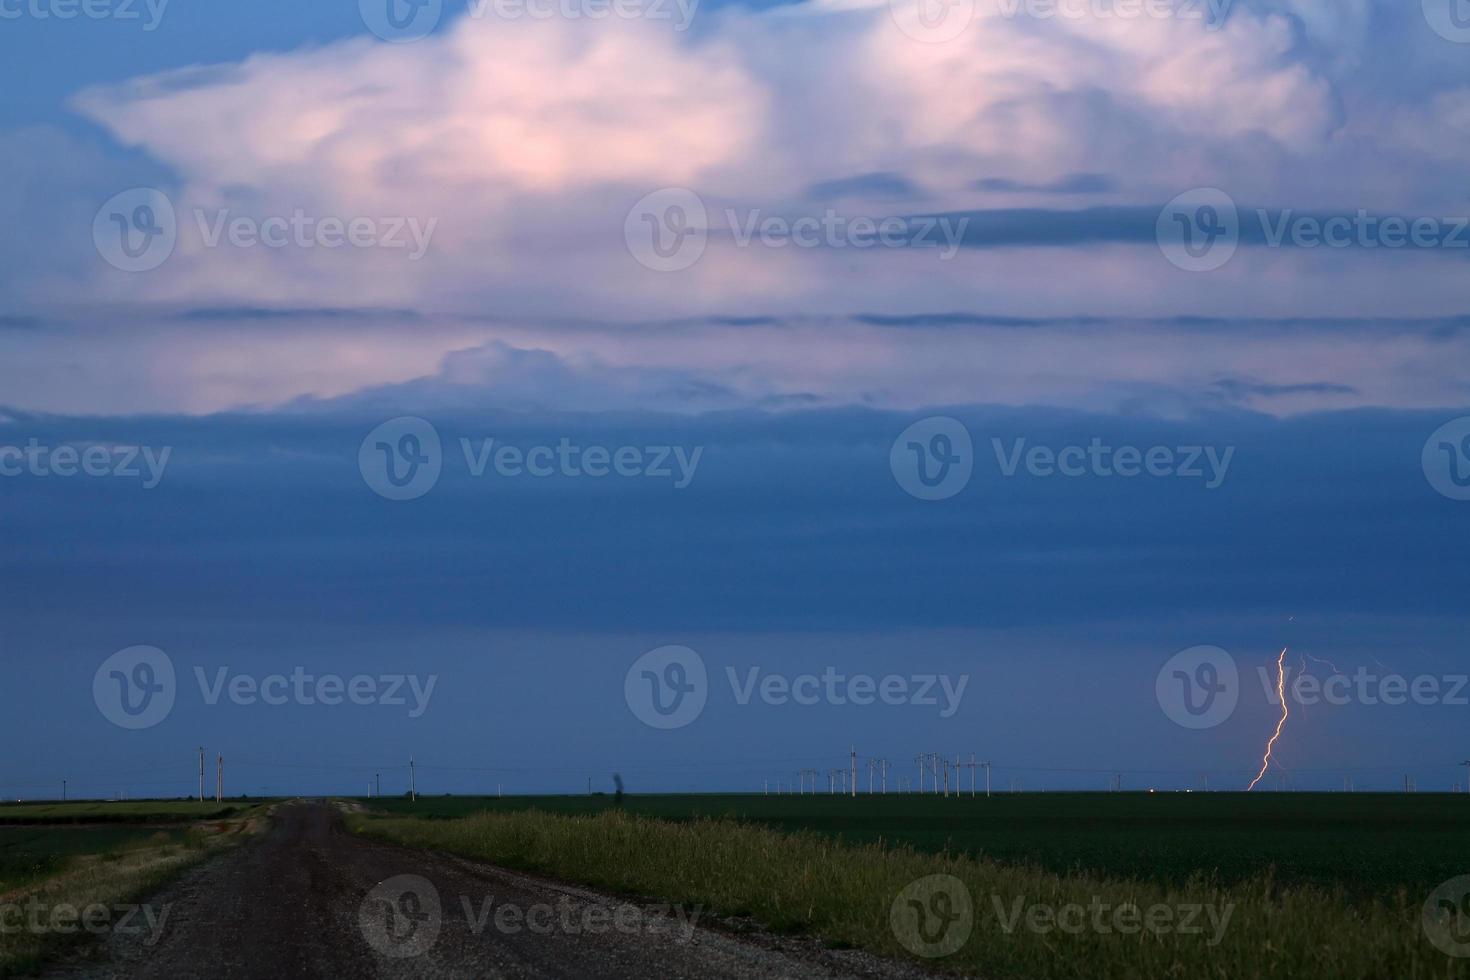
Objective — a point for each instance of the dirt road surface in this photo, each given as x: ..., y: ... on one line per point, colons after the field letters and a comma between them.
x: 311, y: 900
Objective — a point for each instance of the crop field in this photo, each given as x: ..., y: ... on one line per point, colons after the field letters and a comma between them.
x: 1366, y: 844
x: 130, y: 811
x: 1292, y: 885
x: 89, y: 855
x: 31, y: 854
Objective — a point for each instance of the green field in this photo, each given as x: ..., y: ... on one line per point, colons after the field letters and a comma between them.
x: 31, y: 854
x: 130, y: 811
x: 1366, y: 844
x: 85, y: 853
x: 1295, y: 886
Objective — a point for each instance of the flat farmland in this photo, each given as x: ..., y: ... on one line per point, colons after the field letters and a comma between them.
x: 1364, y: 844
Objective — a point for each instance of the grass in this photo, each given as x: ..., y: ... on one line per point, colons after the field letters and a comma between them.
x: 828, y: 883
x: 80, y: 864
x: 1367, y: 844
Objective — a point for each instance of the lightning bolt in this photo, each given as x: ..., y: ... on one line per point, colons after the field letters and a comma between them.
x: 1285, y: 713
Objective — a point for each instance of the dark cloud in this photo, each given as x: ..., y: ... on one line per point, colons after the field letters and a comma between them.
x: 1070, y: 184
x: 874, y: 186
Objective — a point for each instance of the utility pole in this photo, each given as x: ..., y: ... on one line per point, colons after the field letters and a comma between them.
x: 920, y: 760
x: 853, y: 770
x: 219, y: 779
x: 63, y: 791
x: 413, y: 783
x: 201, y: 774
x: 987, y: 779
x: 378, y: 782
x: 1466, y: 764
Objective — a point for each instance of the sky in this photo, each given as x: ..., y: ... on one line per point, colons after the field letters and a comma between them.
x: 539, y: 390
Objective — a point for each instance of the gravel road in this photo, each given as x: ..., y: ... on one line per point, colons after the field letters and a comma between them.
x: 310, y: 900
